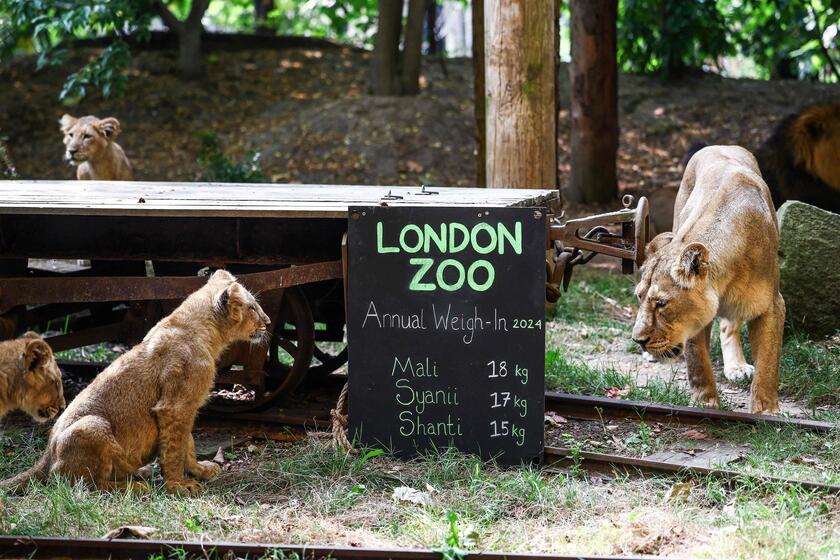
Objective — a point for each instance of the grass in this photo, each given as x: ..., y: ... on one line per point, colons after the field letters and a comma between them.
x: 309, y: 493
x: 563, y: 374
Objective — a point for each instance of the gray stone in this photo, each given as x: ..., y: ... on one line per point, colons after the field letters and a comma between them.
x: 809, y: 259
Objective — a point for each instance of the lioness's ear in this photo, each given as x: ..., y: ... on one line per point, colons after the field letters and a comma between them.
x: 67, y: 122
x: 691, y: 265
x: 36, y: 353
x: 658, y: 242
x: 109, y: 127
x: 230, y: 302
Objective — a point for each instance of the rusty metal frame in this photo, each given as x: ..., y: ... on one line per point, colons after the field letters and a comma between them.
x: 35, y: 291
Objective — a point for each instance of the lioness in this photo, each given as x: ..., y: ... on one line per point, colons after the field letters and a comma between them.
x: 145, y: 402
x: 720, y: 261
x: 29, y: 378
x: 90, y: 144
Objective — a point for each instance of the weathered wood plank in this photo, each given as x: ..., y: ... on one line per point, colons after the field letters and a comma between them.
x: 234, y: 200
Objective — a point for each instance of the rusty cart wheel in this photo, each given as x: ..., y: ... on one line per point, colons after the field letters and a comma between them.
x: 281, y: 367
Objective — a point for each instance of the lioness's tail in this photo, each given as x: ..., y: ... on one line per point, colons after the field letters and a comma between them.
x: 19, y: 483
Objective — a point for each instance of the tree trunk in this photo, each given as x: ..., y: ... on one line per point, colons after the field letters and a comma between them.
x: 558, y: 4
x: 431, y: 26
x: 190, y: 60
x: 478, y: 84
x: 261, y: 10
x: 594, y: 101
x: 413, y: 48
x: 519, y: 75
x: 385, y: 53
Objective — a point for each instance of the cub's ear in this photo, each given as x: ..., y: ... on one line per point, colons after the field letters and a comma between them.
x: 658, y: 242
x: 691, y: 265
x: 223, y: 275
x: 36, y: 354
x: 67, y: 122
x: 230, y: 302
x: 31, y: 334
x: 109, y: 127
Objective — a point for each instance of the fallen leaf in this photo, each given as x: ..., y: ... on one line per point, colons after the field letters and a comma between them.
x: 131, y: 532
x: 554, y: 419
x: 679, y: 492
x: 406, y: 494
x: 219, y: 457
x: 695, y: 434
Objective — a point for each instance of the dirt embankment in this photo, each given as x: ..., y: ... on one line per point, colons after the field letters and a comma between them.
x: 307, y: 112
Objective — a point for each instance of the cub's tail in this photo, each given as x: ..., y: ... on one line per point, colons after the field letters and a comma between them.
x: 18, y: 483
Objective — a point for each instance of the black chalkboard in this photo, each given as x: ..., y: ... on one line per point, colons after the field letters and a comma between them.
x: 446, y: 334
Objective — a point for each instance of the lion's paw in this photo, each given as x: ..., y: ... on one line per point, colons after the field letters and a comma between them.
x: 739, y: 372
x: 184, y: 488
x: 205, y: 470
x: 764, y: 405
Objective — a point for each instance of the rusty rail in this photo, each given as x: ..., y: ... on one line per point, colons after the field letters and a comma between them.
x: 594, y: 408
x: 603, y: 463
x: 35, y: 291
x: 124, y: 549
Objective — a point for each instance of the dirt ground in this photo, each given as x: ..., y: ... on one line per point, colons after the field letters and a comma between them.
x: 307, y: 113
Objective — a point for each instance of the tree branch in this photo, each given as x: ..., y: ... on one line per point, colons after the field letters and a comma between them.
x: 169, y: 19
x: 819, y: 30
x: 197, y: 11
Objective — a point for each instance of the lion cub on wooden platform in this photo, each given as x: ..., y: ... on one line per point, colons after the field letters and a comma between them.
x: 144, y: 404
x: 721, y: 260
x: 89, y: 144
x: 29, y: 378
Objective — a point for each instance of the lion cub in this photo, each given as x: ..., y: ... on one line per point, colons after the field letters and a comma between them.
x: 720, y: 261
x: 144, y: 404
x: 29, y: 378
x: 89, y: 143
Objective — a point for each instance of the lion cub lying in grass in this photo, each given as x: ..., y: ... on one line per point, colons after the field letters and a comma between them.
x: 144, y: 404
x: 29, y: 378
x: 720, y: 261
x: 89, y: 143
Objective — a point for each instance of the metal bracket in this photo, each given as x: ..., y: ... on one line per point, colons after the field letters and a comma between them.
x: 622, y: 234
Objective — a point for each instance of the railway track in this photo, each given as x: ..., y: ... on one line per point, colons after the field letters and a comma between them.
x: 126, y: 549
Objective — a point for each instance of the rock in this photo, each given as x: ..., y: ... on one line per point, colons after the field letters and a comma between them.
x: 809, y: 260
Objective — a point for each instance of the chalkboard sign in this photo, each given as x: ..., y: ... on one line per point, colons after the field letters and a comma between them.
x: 446, y: 330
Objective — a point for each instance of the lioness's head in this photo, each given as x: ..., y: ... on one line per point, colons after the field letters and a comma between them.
x: 676, y: 300
x: 41, y: 394
x: 86, y: 137
x: 238, y: 309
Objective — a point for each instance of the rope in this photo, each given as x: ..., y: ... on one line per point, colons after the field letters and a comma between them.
x: 339, y: 422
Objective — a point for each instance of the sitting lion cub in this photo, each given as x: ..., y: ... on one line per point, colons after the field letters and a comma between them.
x: 144, y: 404
x: 29, y: 378
x: 720, y: 261
x: 90, y: 144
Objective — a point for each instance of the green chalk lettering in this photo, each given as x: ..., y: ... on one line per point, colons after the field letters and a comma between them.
x: 491, y: 275
x: 416, y: 284
x: 474, y: 238
x: 379, y: 247
x: 418, y: 232
x: 454, y: 246
x: 431, y: 235
x: 461, y: 274
x: 515, y: 239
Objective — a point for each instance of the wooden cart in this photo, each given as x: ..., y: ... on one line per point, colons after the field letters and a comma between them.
x: 147, y: 244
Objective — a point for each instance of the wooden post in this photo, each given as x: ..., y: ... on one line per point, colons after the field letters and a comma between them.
x: 594, y: 101
x: 479, y: 93
x: 519, y: 76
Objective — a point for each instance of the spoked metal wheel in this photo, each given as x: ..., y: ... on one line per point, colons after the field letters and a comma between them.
x: 263, y: 375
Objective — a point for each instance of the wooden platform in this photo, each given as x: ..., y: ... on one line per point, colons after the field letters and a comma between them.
x: 122, y: 198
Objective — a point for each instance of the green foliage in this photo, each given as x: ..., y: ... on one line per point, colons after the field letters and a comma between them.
x: 670, y: 35
x: 219, y: 168
x: 50, y: 24
x: 781, y: 38
x: 351, y: 20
